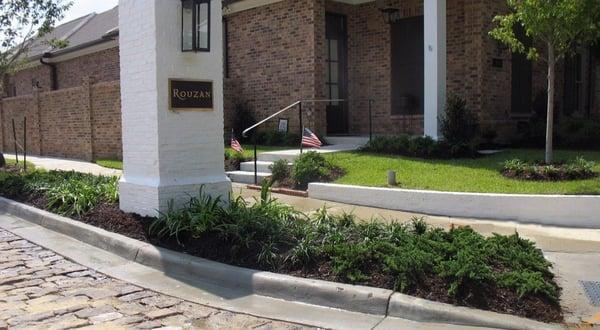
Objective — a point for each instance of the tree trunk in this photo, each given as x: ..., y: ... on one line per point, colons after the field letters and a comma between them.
x: 2, y: 161
x: 550, y: 117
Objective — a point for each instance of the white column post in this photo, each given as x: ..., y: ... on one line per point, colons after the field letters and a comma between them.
x: 167, y: 155
x: 435, y: 64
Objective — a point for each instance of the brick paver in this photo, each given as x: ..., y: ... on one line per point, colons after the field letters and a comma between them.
x: 42, y: 290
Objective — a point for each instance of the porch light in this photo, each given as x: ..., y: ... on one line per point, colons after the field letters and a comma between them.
x: 390, y: 14
x: 195, y: 25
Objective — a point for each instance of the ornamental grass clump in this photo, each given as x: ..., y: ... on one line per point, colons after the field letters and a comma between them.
x: 576, y: 169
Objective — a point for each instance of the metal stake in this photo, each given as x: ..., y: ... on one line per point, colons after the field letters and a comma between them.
x: 255, y: 162
x: 25, y: 143
x: 370, y: 119
x: 15, y: 140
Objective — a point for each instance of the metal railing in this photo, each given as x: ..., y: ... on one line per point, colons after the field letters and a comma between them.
x: 299, y: 105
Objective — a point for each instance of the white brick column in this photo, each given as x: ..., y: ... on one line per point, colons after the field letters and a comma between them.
x: 435, y: 64
x: 167, y: 155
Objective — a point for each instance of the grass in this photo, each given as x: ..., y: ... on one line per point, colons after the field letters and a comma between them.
x: 12, y: 162
x: 110, y: 163
x: 464, y: 175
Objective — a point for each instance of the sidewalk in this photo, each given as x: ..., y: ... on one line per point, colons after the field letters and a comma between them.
x: 61, y: 164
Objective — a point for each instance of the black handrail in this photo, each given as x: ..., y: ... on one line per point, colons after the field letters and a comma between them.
x: 291, y: 106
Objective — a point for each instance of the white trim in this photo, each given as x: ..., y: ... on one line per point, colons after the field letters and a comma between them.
x: 554, y: 210
x: 435, y: 64
x: 250, y: 4
x: 245, y: 5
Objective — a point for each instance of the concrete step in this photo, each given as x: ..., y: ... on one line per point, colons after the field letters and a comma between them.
x: 357, y: 140
x: 262, y: 166
x: 273, y: 156
x: 247, y: 177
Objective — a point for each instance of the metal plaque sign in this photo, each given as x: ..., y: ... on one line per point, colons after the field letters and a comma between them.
x: 190, y: 95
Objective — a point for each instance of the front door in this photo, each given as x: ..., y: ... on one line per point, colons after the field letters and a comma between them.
x: 408, y: 66
x: 336, y: 74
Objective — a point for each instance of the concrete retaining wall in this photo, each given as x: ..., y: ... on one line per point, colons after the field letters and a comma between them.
x: 559, y: 210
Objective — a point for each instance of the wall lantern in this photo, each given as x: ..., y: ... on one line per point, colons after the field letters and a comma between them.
x: 195, y: 25
x: 390, y: 14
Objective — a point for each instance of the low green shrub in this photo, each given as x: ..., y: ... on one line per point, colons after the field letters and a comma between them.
x: 458, y: 124
x: 276, y: 138
x: 418, y: 146
x: 401, y: 256
x: 280, y: 170
x: 309, y: 167
x: 576, y: 169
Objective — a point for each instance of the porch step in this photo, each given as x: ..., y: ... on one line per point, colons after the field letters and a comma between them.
x: 262, y: 166
x: 247, y: 177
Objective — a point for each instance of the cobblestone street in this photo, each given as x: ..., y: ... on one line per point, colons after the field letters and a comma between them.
x: 42, y: 290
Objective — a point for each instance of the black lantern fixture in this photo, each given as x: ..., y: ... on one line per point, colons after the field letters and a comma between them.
x: 390, y: 14
x: 195, y: 25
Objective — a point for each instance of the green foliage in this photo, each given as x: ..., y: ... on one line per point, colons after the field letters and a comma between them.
x: 200, y: 214
x: 276, y: 138
x: 20, y: 21
x: 417, y: 146
x: 528, y: 283
x: 459, y: 125
x: 310, y: 167
x: 560, y: 24
x: 280, y: 170
x: 578, y: 168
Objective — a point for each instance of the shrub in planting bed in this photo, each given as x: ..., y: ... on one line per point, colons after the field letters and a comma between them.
x: 577, y: 169
x: 458, y: 266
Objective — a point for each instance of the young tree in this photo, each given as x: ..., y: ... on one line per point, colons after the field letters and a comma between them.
x: 21, y: 21
x: 559, y: 25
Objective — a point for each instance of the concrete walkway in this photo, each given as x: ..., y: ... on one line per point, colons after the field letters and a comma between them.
x: 62, y: 164
x: 574, y: 252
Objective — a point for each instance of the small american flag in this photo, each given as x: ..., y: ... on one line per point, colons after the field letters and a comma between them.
x: 235, y: 144
x: 309, y: 139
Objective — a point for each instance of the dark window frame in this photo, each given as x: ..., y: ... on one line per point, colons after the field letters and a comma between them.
x: 195, y: 47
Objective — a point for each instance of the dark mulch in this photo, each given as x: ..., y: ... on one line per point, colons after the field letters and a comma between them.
x: 232, y: 164
x: 210, y: 246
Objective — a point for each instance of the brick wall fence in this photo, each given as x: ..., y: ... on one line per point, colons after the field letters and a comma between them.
x: 81, y: 122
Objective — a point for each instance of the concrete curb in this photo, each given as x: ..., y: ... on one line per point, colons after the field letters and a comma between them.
x: 352, y: 298
x: 555, y: 210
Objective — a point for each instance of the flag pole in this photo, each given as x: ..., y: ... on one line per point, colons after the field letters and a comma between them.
x: 301, y: 126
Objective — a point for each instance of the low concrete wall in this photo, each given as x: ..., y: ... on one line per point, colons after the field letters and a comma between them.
x: 558, y: 210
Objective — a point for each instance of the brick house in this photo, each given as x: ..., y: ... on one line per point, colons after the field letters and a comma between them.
x: 404, y: 55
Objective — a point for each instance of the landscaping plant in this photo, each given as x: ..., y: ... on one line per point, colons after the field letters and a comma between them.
x: 458, y: 124
x: 280, y: 170
x: 310, y: 167
x: 576, y: 169
x: 417, y: 146
x: 559, y: 26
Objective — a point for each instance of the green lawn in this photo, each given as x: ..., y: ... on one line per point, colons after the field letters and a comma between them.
x: 110, y: 163
x: 466, y: 175
x: 30, y: 165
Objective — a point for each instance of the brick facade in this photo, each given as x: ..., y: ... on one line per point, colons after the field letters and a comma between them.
x: 276, y: 56
x: 102, y: 65
x: 81, y: 122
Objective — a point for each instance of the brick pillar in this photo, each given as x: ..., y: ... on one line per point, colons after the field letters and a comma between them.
x: 87, y: 104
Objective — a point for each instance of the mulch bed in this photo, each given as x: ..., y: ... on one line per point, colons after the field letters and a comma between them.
x: 109, y: 217
x: 538, y: 173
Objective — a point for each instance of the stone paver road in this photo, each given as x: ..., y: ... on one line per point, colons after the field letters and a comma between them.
x: 42, y: 290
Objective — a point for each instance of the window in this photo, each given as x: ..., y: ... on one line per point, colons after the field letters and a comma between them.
x: 195, y: 25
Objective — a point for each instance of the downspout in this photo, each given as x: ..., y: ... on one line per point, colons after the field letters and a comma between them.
x: 53, y: 77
